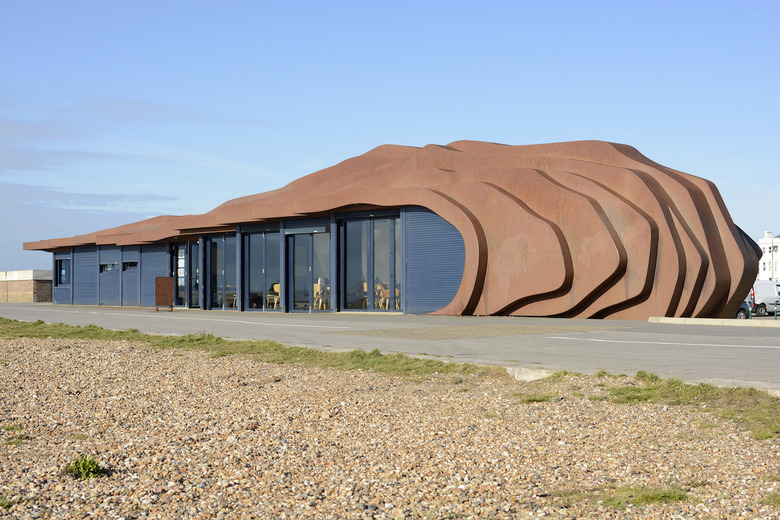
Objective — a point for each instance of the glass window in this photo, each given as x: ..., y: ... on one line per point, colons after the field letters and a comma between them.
x: 272, y: 278
x: 255, y: 273
x: 62, y: 275
x: 356, y: 264
x: 230, y: 272
x: 180, y: 273
x: 382, y: 259
x: 194, y: 274
x: 301, y: 292
x: 216, y: 272
x: 321, y: 271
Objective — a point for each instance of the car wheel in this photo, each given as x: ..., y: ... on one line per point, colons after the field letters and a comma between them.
x: 741, y: 314
x: 761, y: 311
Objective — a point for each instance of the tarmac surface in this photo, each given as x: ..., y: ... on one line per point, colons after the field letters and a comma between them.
x: 694, y: 351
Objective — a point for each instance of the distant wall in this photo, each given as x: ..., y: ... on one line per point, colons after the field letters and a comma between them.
x: 25, y: 286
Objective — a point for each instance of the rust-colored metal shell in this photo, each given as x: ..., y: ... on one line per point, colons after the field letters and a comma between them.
x: 581, y: 229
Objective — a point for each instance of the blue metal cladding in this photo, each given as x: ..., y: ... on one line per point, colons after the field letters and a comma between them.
x: 85, y: 276
x: 62, y: 292
x: 154, y: 262
x: 109, y: 275
x: 435, y: 257
x: 307, y: 225
x: 131, y: 279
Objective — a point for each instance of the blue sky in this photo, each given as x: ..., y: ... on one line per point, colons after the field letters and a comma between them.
x: 115, y: 111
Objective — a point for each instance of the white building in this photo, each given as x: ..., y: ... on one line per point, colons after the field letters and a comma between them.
x: 769, y: 265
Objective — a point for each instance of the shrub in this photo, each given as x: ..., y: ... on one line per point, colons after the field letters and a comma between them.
x: 84, y: 467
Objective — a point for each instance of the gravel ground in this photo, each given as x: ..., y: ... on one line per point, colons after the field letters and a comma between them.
x: 183, y: 435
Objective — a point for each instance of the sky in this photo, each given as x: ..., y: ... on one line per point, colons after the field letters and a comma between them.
x: 114, y: 111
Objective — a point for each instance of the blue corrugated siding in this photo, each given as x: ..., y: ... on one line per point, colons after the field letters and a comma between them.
x: 307, y: 225
x: 109, y: 278
x: 131, y: 295
x: 435, y: 256
x: 85, y: 276
x: 154, y: 262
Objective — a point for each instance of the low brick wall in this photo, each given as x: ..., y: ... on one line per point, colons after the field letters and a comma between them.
x: 25, y: 286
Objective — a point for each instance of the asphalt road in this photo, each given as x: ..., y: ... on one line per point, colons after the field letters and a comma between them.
x: 742, y: 356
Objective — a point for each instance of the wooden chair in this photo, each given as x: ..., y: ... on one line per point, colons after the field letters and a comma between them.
x: 273, y: 297
x: 321, y: 300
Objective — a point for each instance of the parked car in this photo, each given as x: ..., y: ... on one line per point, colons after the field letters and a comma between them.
x: 743, y: 313
x: 764, y: 295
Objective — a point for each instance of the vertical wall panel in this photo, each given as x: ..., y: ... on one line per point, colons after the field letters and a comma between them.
x: 435, y: 256
x: 131, y: 276
x: 85, y: 275
x: 154, y: 262
x: 109, y: 276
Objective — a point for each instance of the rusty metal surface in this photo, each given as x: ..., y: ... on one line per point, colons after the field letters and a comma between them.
x: 584, y: 229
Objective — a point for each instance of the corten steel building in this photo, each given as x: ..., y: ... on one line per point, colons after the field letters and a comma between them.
x: 582, y: 229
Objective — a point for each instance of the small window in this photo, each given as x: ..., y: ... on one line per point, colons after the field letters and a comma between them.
x: 62, y: 272
x: 130, y: 266
x: 107, y: 267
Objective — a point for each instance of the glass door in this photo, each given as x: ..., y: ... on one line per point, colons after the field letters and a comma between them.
x: 371, y: 264
x: 221, y: 261
x: 262, y: 286
x: 308, y: 257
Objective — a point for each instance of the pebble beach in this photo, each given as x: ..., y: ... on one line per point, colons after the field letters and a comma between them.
x: 184, y: 435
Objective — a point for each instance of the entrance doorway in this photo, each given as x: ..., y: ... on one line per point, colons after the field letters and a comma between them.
x: 371, y: 264
x: 308, y: 272
x: 221, y: 262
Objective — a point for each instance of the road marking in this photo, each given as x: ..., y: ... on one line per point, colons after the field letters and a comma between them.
x: 666, y: 343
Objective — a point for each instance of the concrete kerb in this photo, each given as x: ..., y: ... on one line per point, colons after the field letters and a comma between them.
x: 718, y: 322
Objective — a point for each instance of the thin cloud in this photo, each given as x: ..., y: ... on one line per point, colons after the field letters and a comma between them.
x: 22, y: 198
x: 167, y: 154
x: 127, y: 109
x: 29, y: 159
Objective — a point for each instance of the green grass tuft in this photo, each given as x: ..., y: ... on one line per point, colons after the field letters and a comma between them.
x: 642, y: 495
x: 534, y: 398
x: 4, y: 503
x: 772, y: 499
x: 19, y: 439
x: 84, y: 467
x: 262, y: 350
x: 12, y: 428
x: 756, y: 411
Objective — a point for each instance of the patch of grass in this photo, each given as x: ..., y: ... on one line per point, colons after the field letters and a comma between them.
x: 12, y: 428
x: 772, y: 478
x: 263, y: 350
x: 4, y: 503
x: 696, y: 484
x: 84, y: 467
x: 558, y: 376
x: 19, y: 439
x: 4, y: 361
x: 78, y: 436
x: 641, y: 495
x: 647, y: 377
x: 534, y: 398
x: 772, y: 499
x: 755, y: 410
